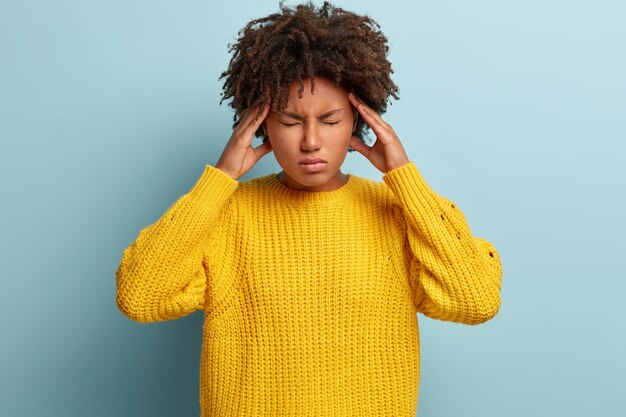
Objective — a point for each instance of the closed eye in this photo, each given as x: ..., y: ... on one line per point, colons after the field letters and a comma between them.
x: 293, y: 124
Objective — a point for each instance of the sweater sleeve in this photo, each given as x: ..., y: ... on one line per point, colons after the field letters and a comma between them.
x: 162, y: 274
x: 454, y: 276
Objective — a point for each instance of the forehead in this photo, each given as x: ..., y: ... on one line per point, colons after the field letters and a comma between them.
x: 325, y: 96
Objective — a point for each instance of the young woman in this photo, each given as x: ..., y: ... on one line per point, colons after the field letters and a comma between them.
x: 310, y: 279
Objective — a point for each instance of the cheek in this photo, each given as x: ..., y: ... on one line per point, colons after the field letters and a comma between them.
x: 344, y: 133
x: 278, y: 131
x: 282, y: 143
x: 283, y: 140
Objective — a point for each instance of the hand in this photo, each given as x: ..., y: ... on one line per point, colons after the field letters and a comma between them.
x: 238, y: 155
x: 387, y: 152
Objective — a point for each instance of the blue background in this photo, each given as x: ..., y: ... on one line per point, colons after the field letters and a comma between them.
x: 515, y: 110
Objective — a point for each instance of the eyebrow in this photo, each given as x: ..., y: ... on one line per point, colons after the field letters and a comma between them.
x: 321, y: 116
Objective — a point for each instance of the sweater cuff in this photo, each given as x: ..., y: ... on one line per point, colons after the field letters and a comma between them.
x: 410, y: 187
x: 213, y: 185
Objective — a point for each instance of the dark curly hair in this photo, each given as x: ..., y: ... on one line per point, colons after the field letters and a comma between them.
x: 302, y: 42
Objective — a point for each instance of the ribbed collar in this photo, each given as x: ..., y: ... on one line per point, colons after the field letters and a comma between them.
x: 342, y: 194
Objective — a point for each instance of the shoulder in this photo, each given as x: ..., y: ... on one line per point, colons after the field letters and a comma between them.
x: 376, y: 189
x: 378, y: 194
x: 249, y: 192
x: 252, y: 186
x: 385, y: 202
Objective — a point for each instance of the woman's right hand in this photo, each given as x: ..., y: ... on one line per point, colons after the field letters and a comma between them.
x: 238, y: 155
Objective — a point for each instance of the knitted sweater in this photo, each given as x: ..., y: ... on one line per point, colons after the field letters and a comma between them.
x: 310, y: 299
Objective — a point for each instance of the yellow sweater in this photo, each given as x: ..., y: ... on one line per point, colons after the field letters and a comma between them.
x: 310, y: 299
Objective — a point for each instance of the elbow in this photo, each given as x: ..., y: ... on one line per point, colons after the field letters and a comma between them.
x: 486, y: 309
x: 127, y: 300
x: 489, y: 301
x: 131, y: 309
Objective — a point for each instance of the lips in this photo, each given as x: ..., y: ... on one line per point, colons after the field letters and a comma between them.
x: 313, y: 167
x: 312, y: 161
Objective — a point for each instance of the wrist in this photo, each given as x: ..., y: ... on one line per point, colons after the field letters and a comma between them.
x: 225, y: 171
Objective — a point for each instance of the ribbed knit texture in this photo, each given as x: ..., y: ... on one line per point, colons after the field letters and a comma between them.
x: 310, y: 299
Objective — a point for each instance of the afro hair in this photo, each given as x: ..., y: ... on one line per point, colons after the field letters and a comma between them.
x: 303, y: 42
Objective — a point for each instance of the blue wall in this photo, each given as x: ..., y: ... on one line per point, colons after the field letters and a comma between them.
x: 515, y: 110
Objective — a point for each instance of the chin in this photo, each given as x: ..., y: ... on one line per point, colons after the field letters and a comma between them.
x: 310, y: 179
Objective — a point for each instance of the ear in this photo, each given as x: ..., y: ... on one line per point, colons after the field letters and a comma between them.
x: 355, y: 116
x: 264, y: 129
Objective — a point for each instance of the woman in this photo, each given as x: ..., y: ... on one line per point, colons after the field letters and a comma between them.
x: 310, y: 279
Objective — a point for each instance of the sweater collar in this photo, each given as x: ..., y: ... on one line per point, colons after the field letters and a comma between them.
x: 281, y: 191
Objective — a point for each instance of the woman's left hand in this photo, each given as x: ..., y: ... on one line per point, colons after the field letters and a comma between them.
x: 387, y: 152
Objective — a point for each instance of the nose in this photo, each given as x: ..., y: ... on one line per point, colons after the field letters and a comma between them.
x: 311, y: 137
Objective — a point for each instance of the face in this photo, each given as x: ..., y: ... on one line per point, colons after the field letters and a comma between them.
x: 317, y: 125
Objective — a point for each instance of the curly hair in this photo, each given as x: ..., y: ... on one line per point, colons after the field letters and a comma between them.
x: 303, y: 42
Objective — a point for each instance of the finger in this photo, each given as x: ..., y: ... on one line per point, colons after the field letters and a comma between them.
x: 244, y: 121
x: 361, y: 105
x: 368, y: 112
x: 372, y: 118
x: 360, y: 147
x: 263, y: 149
x: 358, y: 102
x: 251, y: 113
x: 253, y: 119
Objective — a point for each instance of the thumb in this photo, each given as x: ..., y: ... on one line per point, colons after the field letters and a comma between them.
x: 358, y: 146
x: 263, y: 149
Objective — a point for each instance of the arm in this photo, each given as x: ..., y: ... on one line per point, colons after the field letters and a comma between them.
x: 161, y: 275
x: 454, y: 276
